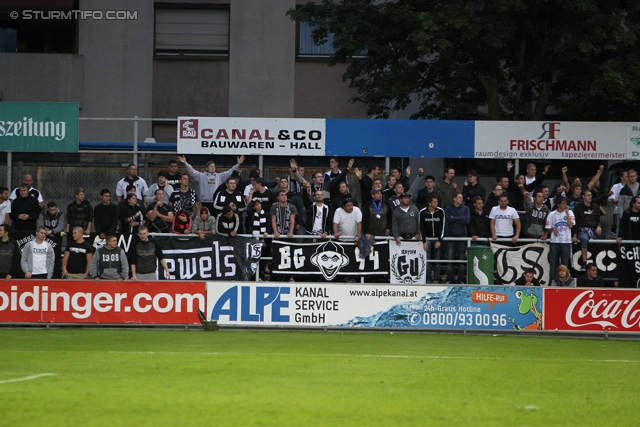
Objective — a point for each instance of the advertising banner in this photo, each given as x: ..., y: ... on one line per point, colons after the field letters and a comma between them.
x: 578, y: 309
x: 408, y: 263
x: 255, y: 136
x: 329, y: 259
x: 633, y: 141
x: 39, y: 127
x: 375, y: 306
x: 551, y: 140
x: 84, y: 301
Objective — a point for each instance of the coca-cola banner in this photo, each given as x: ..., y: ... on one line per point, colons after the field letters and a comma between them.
x: 575, y: 309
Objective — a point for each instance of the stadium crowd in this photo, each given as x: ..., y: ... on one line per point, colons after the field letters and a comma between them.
x: 345, y: 203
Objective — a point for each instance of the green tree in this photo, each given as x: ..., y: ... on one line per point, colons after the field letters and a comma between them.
x: 494, y: 59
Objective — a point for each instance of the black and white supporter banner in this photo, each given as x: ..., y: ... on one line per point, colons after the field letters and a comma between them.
x: 629, y: 266
x: 511, y: 261
x: 329, y: 259
x: 408, y: 263
x: 214, y: 258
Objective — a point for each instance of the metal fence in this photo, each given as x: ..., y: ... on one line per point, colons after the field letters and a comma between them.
x: 57, y: 182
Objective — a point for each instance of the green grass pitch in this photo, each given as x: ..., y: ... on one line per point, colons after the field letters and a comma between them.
x: 116, y: 377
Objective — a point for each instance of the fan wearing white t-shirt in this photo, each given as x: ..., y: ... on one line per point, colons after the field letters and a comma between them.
x: 559, y: 223
x: 38, y: 257
x: 502, y: 218
x: 347, y: 221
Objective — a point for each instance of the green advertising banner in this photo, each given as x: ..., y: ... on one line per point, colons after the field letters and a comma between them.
x: 39, y: 127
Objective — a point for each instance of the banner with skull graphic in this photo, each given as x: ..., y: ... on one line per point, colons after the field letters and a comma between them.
x: 329, y: 260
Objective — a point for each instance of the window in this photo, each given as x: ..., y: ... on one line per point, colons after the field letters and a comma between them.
x: 8, y: 39
x: 309, y: 50
x: 191, y: 31
x: 38, y: 36
x: 38, y: 26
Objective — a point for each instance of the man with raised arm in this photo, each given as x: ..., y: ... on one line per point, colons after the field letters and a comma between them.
x: 210, y: 180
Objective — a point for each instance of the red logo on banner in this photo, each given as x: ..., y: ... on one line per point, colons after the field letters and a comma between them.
x: 592, y: 310
x: 60, y: 301
x: 189, y: 128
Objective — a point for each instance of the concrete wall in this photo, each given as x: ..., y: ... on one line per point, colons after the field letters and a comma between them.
x: 118, y: 70
x: 261, y: 59
x: 190, y: 87
x: 320, y: 92
x: 41, y: 77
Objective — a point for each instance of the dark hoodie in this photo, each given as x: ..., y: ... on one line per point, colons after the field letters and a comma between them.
x: 9, y: 258
x: 179, y: 227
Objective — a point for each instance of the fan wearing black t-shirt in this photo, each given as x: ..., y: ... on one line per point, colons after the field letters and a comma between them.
x: 77, y: 256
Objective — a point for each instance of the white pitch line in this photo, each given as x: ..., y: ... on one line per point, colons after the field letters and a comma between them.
x: 31, y: 377
x: 381, y: 356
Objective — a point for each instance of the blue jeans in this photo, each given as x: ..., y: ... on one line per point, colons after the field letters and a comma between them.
x: 584, y: 235
x: 558, y: 251
x: 456, y: 251
x: 433, y: 268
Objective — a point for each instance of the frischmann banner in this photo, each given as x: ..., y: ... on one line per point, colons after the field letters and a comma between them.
x: 579, y: 309
x: 39, y: 127
x: 269, y: 137
x: 551, y: 140
x: 375, y: 306
x: 83, y: 301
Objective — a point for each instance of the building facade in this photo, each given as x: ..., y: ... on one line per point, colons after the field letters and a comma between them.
x: 162, y: 59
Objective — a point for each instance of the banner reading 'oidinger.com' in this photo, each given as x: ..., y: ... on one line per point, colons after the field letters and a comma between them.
x: 83, y: 301
x: 375, y: 306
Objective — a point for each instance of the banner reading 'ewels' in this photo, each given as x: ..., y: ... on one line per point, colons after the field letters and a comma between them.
x: 269, y: 137
x: 375, y: 306
x: 70, y: 301
x: 575, y: 309
x: 551, y: 140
